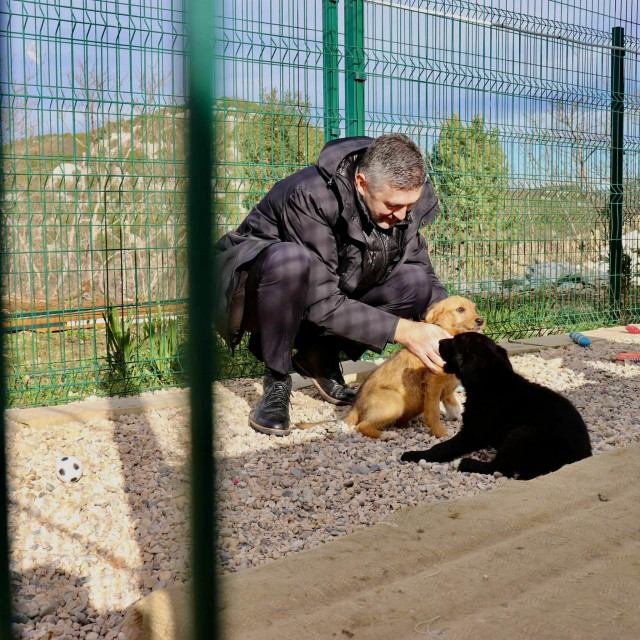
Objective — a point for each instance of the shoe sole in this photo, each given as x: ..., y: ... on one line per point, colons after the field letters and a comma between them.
x: 266, y: 430
x: 323, y: 393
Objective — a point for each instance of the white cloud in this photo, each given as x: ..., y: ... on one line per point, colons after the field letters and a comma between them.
x: 32, y: 52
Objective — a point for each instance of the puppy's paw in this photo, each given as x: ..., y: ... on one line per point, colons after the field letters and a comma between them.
x: 453, y: 411
x: 412, y: 456
x: 456, y: 463
x: 474, y: 466
x: 389, y: 435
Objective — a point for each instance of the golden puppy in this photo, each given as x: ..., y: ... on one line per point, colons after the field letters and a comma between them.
x: 402, y: 387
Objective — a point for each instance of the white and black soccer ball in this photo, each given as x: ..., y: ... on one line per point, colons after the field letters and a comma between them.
x: 69, y: 469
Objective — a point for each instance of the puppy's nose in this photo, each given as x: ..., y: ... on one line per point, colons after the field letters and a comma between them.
x: 479, y: 321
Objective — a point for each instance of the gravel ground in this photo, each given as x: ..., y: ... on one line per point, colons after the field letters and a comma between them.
x: 82, y: 553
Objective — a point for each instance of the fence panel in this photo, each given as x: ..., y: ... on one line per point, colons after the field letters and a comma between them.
x: 92, y: 116
x: 514, y: 109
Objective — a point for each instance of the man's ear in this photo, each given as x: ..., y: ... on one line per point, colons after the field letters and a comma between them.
x: 361, y: 183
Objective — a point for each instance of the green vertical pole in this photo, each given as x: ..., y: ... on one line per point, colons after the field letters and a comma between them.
x: 617, y: 169
x: 200, y: 348
x: 354, y: 66
x: 5, y: 582
x: 330, y: 69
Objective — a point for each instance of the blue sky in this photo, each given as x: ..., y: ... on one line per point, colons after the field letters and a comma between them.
x: 421, y: 67
x: 54, y: 49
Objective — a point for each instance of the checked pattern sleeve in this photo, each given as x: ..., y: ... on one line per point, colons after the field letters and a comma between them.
x: 326, y: 306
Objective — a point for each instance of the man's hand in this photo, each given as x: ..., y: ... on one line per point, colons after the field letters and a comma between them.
x: 422, y: 340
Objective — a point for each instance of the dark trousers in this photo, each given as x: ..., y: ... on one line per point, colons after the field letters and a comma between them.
x: 275, y: 301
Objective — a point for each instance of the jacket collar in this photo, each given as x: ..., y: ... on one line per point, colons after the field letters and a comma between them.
x: 337, y: 164
x: 335, y: 155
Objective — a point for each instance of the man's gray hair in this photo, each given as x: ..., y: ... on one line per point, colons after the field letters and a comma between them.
x: 393, y: 160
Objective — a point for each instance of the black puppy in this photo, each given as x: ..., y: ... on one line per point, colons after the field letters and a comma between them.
x: 534, y: 429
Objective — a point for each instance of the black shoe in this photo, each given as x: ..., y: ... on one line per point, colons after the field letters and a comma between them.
x: 323, y: 367
x: 271, y: 415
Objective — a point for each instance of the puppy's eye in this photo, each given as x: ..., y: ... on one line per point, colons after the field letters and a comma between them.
x: 460, y: 309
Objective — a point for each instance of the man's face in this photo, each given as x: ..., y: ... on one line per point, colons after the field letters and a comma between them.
x: 386, y: 204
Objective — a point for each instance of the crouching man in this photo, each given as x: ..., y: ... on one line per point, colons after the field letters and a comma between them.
x: 332, y: 260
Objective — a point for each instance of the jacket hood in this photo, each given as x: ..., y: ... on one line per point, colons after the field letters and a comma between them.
x: 336, y: 164
x: 335, y: 152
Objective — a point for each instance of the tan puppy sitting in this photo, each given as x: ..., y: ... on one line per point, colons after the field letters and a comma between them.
x: 402, y: 387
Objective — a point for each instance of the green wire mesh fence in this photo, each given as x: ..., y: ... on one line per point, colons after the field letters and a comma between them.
x: 523, y: 110
x: 514, y: 104
x: 94, y: 202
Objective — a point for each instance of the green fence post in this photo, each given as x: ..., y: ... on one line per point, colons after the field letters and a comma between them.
x: 5, y: 581
x: 617, y: 169
x: 354, y: 66
x: 200, y: 348
x: 330, y: 69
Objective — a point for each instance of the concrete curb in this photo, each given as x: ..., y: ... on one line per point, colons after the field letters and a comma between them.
x: 109, y: 408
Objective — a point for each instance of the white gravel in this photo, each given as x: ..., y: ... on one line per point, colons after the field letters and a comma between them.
x: 82, y: 553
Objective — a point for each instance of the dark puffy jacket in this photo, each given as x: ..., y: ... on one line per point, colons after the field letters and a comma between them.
x: 315, y: 207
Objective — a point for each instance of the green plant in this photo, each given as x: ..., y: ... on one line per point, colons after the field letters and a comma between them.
x: 120, y: 347
x: 161, y: 338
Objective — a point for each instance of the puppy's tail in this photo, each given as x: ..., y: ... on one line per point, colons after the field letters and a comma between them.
x: 308, y: 425
x: 353, y: 417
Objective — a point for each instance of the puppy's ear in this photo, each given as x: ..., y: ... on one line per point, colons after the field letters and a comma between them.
x: 446, y: 349
x: 502, y: 352
x: 433, y: 313
x: 452, y: 359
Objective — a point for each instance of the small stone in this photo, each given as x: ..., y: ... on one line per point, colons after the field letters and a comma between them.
x: 79, y: 615
x: 48, y: 608
x: 359, y: 469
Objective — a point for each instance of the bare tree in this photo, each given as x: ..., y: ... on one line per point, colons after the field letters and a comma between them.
x: 568, y: 144
x: 17, y: 120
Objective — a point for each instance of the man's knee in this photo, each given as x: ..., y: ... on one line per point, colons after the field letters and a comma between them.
x: 413, y: 289
x: 286, y: 261
x: 407, y: 293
